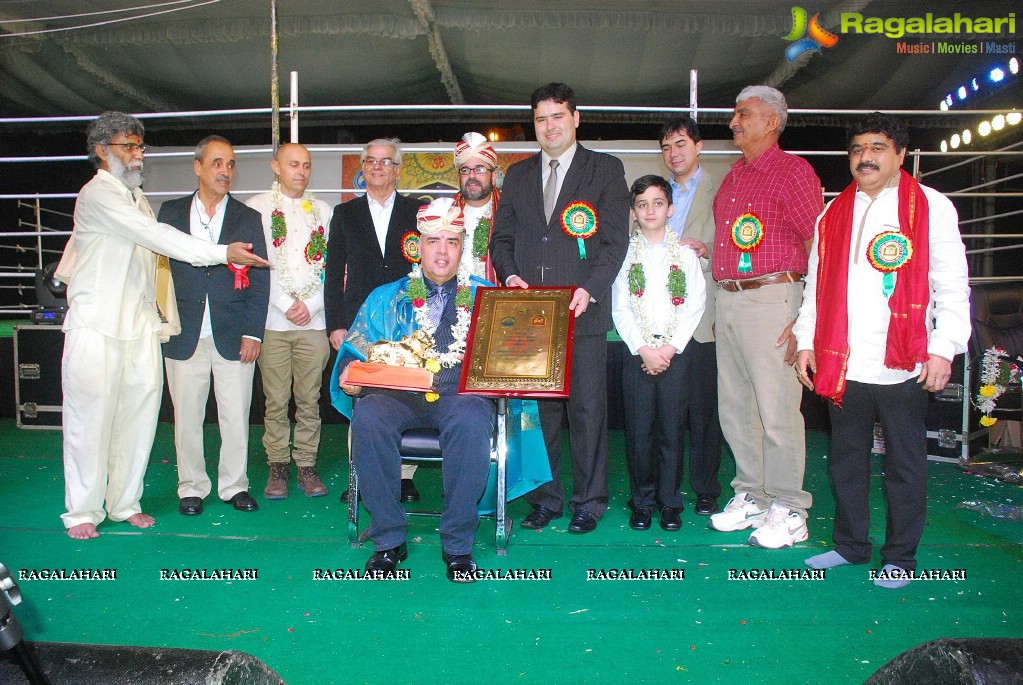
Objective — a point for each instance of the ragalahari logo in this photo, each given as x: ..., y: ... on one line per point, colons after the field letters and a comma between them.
x: 818, y: 36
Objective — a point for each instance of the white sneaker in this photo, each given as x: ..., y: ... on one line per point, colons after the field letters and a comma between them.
x: 781, y: 527
x: 740, y: 513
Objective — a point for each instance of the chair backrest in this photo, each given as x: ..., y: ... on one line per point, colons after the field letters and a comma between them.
x: 996, y: 313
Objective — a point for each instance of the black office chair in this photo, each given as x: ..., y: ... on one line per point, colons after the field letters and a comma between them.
x: 422, y: 445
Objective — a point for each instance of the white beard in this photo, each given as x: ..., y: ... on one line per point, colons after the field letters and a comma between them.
x: 130, y: 176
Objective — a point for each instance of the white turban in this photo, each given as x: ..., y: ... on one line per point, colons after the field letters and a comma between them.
x: 440, y: 215
x: 474, y: 145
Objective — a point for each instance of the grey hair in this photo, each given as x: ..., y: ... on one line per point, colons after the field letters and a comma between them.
x: 392, y: 143
x: 771, y: 97
x: 200, y: 149
x: 107, y: 125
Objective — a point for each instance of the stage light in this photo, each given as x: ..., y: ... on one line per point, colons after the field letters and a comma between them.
x: 996, y: 75
x: 493, y: 136
x: 944, y: 146
x: 998, y: 123
x: 984, y: 128
x: 961, y: 92
x: 974, y: 85
x: 1014, y: 65
x: 967, y: 136
x: 948, y: 99
x: 1013, y: 118
x: 955, y: 141
x: 942, y: 106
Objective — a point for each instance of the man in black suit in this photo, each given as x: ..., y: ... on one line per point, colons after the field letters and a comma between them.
x: 365, y: 250
x: 223, y: 312
x: 564, y: 221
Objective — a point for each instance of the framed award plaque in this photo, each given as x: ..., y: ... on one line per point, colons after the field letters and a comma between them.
x: 519, y: 344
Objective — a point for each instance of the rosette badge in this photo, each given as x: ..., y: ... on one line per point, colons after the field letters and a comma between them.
x: 888, y: 252
x: 579, y: 221
x: 410, y: 246
x: 747, y: 234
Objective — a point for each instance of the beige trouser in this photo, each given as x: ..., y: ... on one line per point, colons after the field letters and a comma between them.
x: 759, y: 395
x: 292, y: 361
x: 189, y: 383
x: 112, y: 391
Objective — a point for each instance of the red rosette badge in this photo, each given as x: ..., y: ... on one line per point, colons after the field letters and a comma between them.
x: 579, y: 220
x: 410, y: 246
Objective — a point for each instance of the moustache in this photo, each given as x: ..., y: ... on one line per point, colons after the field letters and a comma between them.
x: 223, y: 179
x: 867, y: 165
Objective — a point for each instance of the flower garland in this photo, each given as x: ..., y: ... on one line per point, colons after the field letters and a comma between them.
x: 995, y: 375
x: 315, y: 250
x: 481, y: 233
x: 637, y: 287
x: 419, y: 296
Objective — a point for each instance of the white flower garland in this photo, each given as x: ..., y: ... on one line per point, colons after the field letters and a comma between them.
x: 994, y: 373
x: 460, y: 330
x: 635, y: 258
x: 317, y: 265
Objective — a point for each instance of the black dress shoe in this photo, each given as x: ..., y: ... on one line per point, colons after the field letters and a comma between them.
x: 670, y: 519
x: 640, y: 519
x: 706, y: 505
x: 190, y: 506
x: 243, y: 501
x: 344, y: 496
x: 408, y: 491
x: 386, y: 561
x: 461, y: 567
x: 539, y: 517
x: 583, y: 522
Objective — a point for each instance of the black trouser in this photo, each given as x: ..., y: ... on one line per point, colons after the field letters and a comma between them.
x: 901, y: 410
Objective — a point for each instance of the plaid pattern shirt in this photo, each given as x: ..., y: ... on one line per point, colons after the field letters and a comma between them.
x: 785, y: 193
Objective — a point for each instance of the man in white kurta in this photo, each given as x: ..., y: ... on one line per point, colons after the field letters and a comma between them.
x: 295, y: 346
x: 885, y: 309
x: 111, y: 370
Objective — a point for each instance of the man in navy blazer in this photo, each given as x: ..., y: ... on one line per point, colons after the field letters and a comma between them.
x: 223, y: 313
x: 365, y: 250
x: 563, y: 221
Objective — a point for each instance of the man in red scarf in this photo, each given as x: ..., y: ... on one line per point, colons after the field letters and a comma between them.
x: 885, y: 309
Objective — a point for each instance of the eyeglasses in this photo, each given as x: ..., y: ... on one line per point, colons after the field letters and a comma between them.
x: 478, y: 170
x: 132, y: 147
x: 386, y: 162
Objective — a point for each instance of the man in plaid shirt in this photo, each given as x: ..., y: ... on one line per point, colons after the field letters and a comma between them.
x: 764, y: 214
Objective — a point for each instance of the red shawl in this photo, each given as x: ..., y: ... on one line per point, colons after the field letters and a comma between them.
x: 907, y: 328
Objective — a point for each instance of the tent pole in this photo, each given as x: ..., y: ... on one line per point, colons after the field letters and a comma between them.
x: 275, y: 86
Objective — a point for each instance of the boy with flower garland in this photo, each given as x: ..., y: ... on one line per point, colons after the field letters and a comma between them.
x: 657, y: 300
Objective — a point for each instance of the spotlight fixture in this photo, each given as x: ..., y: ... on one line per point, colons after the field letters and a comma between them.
x: 948, y: 99
x: 1013, y: 118
x: 984, y: 128
x: 1014, y: 65
x: 996, y: 75
x: 961, y: 92
x: 943, y: 106
x: 974, y: 85
x: 967, y: 136
x: 954, y: 142
x: 998, y: 123
x: 944, y: 146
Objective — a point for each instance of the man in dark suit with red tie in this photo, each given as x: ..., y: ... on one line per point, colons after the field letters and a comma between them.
x: 223, y: 314
x: 563, y: 221
x: 366, y: 249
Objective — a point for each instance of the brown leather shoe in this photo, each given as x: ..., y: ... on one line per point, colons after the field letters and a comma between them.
x: 277, y: 482
x: 310, y: 482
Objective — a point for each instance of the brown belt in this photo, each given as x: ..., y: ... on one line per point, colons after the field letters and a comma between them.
x: 753, y: 283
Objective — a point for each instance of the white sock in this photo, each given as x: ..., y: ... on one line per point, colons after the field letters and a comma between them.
x: 892, y: 579
x: 827, y: 560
